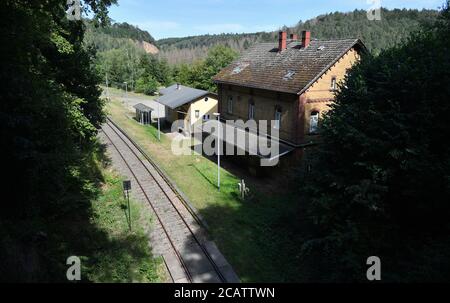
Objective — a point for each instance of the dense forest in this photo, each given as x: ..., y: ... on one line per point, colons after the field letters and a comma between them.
x: 122, y: 62
x: 394, y: 27
x: 115, y: 35
x: 121, y: 57
x: 120, y: 30
x: 190, y: 49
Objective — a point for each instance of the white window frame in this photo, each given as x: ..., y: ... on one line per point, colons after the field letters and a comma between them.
x: 278, y: 116
x: 314, y: 122
x: 333, y: 83
x: 251, y: 111
x: 230, y: 105
x: 197, y: 114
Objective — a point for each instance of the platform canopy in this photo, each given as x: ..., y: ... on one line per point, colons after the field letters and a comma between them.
x: 245, y: 140
x: 143, y: 113
x: 143, y: 108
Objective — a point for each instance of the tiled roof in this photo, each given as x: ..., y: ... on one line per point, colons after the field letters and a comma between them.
x: 292, y: 70
x: 174, y: 97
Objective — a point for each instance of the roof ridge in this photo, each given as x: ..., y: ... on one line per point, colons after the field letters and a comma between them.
x: 335, y: 39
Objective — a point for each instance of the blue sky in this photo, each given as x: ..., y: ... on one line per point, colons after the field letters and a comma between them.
x: 180, y: 18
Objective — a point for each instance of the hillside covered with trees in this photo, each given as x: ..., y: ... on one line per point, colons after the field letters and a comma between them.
x: 114, y: 35
x: 121, y: 57
x: 394, y: 27
x: 122, y: 62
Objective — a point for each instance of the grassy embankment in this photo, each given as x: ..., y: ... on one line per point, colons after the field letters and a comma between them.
x: 91, y: 222
x: 255, y: 235
x: 128, y: 258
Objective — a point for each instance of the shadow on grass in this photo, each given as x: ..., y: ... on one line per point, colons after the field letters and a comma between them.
x: 126, y: 212
x: 261, y: 237
x: 203, y: 175
x: 35, y: 248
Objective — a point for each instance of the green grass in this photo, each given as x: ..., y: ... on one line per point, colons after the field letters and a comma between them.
x: 128, y: 258
x: 256, y: 235
x: 195, y: 175
x: 88, y: 220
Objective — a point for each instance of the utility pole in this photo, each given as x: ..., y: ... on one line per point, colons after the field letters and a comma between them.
x: 126, y: 93
x: 159, y: 125
x: 218, y: 149
x: 107, y: 87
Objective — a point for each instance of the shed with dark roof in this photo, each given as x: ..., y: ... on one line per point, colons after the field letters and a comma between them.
x: 143, y: 113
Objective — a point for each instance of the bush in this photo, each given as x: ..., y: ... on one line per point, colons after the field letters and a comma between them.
x: 147, y: 85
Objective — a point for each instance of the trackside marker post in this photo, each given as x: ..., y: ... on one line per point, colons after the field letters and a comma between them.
x: 126, y: 190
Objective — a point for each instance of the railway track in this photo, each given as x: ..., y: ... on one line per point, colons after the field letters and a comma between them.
x: 189, y: 255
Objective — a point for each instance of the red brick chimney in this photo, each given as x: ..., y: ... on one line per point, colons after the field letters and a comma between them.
x: 282, y: 44
x: 306, y: 38
x: 294, y: 37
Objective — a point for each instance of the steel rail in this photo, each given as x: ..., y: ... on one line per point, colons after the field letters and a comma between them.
x: 180, y: 259
x: 205, y: 251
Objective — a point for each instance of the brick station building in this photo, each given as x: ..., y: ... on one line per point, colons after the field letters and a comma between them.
x: 292, y: 82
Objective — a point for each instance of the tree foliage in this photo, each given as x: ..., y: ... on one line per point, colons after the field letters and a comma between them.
x: 115, y: 35
x: 380, y: 183
x: 200, y: 74
x: 394, y: 27
x: 147, y: 85
x: 121, y: 59
x: 117, y: 31
x: 50, y: 110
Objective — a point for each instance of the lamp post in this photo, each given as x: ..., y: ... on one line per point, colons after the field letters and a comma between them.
x: 159, y: 124
x: 107, y: 87
x: 126, y: 93
x: 218, y: 149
